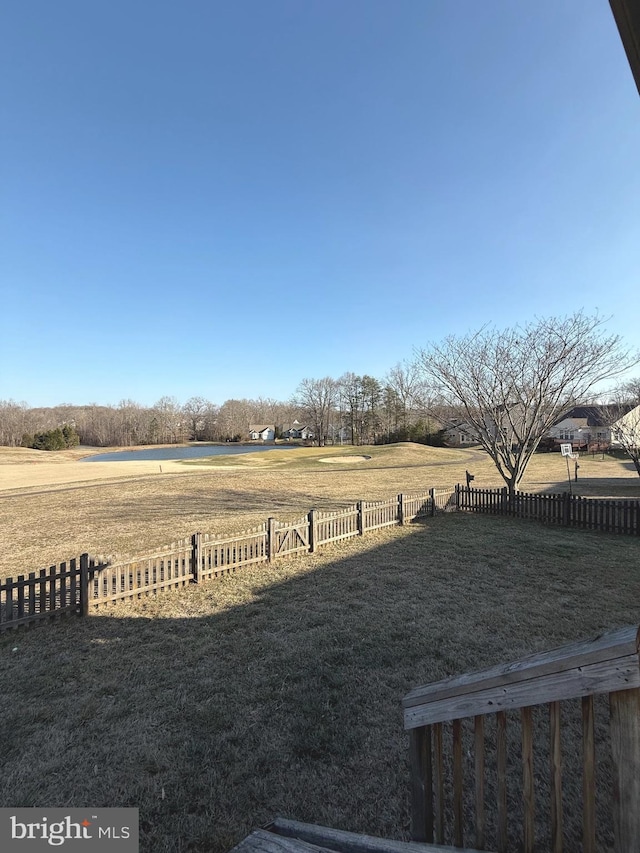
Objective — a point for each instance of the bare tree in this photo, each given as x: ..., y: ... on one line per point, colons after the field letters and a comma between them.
x: 169, y: 420
x: 195, y: 410
x: 317, y: 398
x: 513, y: 384
x: 234, y: 418
x: 404, y: 399
x: 14, y: 422
x: 352, y: 398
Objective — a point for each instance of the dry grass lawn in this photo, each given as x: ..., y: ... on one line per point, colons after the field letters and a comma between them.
x: 53, y: 506
x: 277, y: 690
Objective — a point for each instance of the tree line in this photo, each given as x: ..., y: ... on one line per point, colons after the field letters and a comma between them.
x: 357, y: 410
x: 507, y: 387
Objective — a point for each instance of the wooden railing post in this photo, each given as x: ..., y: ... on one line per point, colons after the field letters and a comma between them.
x: 271, y: 538
x: 84, y: 585
x: 528, y: 784
x: 624, y: 708
x: 458, y: 833
x: 588, y: 777
x: 401, y: 509
x: 556, y: 777
x: 478, y: 727
x: 196, y: 556
x: 421, y: 784
x: 458, y: 497
x: 360, y: 518
x: 432, y: 495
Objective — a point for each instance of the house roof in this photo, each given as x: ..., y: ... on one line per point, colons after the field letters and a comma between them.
x: 260, y: 427
x: 456, y: 425
x: 592, y: 416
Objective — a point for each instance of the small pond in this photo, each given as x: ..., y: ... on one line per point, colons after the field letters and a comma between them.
x: 194, y: 451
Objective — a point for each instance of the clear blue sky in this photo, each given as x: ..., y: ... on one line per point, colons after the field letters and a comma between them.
x: 222, y: 198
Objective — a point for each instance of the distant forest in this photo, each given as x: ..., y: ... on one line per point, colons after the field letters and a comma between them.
x: 352, y: 410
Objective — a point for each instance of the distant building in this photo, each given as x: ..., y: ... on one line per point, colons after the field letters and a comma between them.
x: 585, y: 426
x: 262, y: 432
x: 297, y: 431
x: 459, y: 433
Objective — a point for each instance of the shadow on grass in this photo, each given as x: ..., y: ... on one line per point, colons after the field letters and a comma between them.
x: 617, y: 488
x: 277, y: 690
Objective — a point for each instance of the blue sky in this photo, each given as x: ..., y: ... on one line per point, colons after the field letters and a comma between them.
x: 223, y: 198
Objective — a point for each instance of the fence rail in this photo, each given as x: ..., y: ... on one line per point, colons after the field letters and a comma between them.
x: 85, y: 582
x: 609, y: 516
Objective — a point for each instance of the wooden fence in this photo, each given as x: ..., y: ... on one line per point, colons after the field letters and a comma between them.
x: 85, y: 583
x: 609, y: 516
x: 64, y: 588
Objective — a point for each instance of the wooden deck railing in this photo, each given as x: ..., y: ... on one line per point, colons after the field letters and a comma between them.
x: 606, y: 665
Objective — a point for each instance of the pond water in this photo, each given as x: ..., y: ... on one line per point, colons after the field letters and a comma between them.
x: 194, y: 451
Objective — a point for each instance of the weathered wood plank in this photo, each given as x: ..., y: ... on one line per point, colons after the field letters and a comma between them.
x: 20, y: 589
x: 527, y: 780
x: 556, y: 777
x: 438, y: 775
x: 421, y: 784
x: 84, y: 585
x: 479, y: 752
x: 340, y: 841
x: 613, y: 644
x: 501, y: 766
x: 602, y: 677
x: 624, y: 707
x: 588, y: 777
x: 458, y: 826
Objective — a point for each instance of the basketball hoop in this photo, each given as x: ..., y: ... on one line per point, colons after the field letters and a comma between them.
x: 566, y: 449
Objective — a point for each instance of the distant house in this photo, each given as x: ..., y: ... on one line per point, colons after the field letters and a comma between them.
x: 262, y: 432
x: 585, y: 426
x: 460, y: 434
x: 297, y: 431
x: 625, y: 431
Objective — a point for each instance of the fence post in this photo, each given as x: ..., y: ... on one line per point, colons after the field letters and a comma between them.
x: 566, y: 508
x: 505, y: 501
x: 84, y: 584
x: 271, y: 538
x: 457, y: 497
x: 313, y: 531
x: 432, y: 495
x: 401, y: 509
x: 360, y: 518
x: 196, y: 556
x: 8, y: 604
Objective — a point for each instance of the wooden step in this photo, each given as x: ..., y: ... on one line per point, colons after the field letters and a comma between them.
x: 290, y: 836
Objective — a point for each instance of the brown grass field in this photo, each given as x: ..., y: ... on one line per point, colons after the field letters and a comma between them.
x: 277, y: 690
x: 53, y: 507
